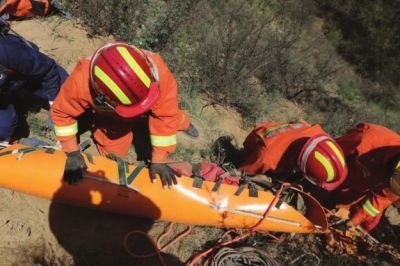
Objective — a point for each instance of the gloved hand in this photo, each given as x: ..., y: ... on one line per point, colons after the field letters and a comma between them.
x: 343, y: 226
x: 73, y: 165
x: 167, y: 174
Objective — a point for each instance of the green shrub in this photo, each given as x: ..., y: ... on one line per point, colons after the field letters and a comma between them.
x: 349, y: 92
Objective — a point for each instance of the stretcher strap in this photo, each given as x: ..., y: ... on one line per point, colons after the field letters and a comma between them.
x: 89, y: 157
x: 135, y: 173
x: 253, y: 191
x: 8, y: 152
x: 243, y: 184
x: 122, y: 168
x: 50, y: 151
x: 217, y: 184
x: 24, y: 150
x: 197, y: 177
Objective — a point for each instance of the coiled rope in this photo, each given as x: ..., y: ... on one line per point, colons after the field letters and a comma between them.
x: 227, y: 256
x: 248, y: 233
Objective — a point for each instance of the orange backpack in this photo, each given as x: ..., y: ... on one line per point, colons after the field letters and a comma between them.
x: 30, y: 8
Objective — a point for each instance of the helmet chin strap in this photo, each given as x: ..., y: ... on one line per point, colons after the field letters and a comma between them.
x: 310, y: 180
x: 100, y: 99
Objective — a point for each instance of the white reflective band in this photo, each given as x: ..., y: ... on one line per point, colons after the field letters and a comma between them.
x: 163, y: 141
x: 66, y: 130
x: 309, y: 149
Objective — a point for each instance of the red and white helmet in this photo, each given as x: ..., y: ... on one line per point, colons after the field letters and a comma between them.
x: 322, y: 162
x: 124, y: 78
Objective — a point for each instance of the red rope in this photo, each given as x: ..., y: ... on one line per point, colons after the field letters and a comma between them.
x: 156, y: 247
x: 240, y: 237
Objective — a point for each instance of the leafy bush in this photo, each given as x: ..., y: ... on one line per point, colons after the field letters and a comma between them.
x: 120, y: 18
x: 231, y: 53
x: 366, y: 34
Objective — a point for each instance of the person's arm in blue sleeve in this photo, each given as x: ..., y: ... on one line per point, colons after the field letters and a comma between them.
x: 36, y: 67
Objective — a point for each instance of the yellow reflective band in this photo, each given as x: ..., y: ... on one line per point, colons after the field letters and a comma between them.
x: 111, y: 85
x: 270, y: 129
x: 134, y: 66
x: 66, y: 130
x: 283, y: 125
x: 163, y: 141
x: 328, y: 167
x: 370, y: 209
x: 336, y: 151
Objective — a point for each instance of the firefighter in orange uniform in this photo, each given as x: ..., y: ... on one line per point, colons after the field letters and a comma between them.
x: 280, y: 150
x: 120, y: 83
x: 373, y: 156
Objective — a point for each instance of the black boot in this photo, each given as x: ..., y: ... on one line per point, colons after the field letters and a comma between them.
x: 191, y: 131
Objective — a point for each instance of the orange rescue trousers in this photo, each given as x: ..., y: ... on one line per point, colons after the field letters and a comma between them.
x: 115, y: 137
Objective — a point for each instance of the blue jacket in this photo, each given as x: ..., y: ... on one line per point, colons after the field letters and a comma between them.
x: 32, y: 69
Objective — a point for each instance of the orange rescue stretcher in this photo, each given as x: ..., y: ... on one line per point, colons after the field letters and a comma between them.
x: 113, y: 186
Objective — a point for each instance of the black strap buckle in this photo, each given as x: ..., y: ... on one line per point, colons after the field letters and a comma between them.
x: 100, y: 99
x: 231, y: 169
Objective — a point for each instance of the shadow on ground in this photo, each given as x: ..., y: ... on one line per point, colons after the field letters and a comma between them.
x: 95, y: 237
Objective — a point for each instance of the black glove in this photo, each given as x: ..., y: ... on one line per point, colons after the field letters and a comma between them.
x: 343, y: 226
x: 167, y: 174
x: 73, y: 165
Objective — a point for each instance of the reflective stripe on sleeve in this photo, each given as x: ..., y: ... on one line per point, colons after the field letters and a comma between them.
x: 370, y: 209
x: 66, y: 130
x: 162, y: 141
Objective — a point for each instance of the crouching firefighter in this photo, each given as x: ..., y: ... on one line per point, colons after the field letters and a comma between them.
x: 120, y: 84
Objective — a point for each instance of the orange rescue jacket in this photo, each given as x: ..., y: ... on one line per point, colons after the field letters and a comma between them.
x: 274, y: 147
x: 367, y: 148
x: 75, y: 97
x: 25, y: 8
